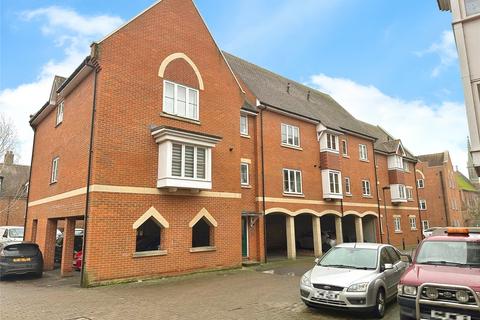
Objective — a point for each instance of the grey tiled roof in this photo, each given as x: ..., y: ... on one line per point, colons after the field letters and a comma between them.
x: 271, y: 89
x: 434, y: 159
x: 14, y: 179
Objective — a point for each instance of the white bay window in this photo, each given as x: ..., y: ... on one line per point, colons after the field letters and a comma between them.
x: 398, y: 193
x: 332, y: 186
x: 184, y: 158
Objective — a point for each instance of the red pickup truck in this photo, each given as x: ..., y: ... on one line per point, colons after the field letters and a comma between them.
x: 443, y: 281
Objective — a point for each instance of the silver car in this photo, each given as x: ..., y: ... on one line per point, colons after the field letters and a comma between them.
x: 355, y: 276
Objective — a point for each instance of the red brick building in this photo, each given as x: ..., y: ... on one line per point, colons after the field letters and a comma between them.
x: 181, y: 157
x: 13, y: 191
x: 439, y: 196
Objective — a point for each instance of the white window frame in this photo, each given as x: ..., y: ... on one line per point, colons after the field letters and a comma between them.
x: 413, y: 222
x: 422, y: 203
x: 425, y: 224
x: 289, y: 131
x: 344, y: 143
x: 348, y: 186
x: 336, y: 183
x: 395, y: 162
x: 54, y: 173
x: 60, y: 110
x: 366, y: 188
x: 244, y: 130
x: 296, y: 174
x: 195, y: 162
x: 420, y: 183
x: 409, y: 193
x: 245, y: 183
x: 187, y: 100
x: 332, y: 142
x: 397, y: 224
x: 363, y: 152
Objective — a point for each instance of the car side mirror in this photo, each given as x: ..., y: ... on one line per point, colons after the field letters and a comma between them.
x: 406, y: 258
x: 387, y: 266
x: 317, y: 260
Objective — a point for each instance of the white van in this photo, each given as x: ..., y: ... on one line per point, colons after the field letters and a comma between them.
x: 11, y: 233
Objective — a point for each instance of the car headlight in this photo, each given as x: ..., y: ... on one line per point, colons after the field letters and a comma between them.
x: 407, y: 290
x: 431, y: 293
x: 306, y: 280
x: 462, y: 296
x: 358, y: 287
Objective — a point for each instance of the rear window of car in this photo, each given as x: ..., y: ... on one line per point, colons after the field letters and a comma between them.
x: 21, y: 249
x: 16, y: 232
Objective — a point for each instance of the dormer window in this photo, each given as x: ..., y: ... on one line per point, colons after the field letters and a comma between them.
x: 180, y: 100
x: 59, y: 117
x: 395, y: 162
x: 184, y: 158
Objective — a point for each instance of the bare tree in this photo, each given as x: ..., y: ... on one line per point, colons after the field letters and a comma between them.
x: 8, y: 135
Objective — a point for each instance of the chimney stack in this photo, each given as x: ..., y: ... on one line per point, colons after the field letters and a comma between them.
x: 288, y: 87
x: 8, y: 159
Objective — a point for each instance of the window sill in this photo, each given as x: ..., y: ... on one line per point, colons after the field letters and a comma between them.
x: 246, y: 136
x: 58, y: 124
x: 330, y: 150
x: 292, y: 147
x: 203, y: 249
x: 367, y: 197
x: 151, y: 253
x: 53, y: 182
x: 246, y: 186
x: 364, y: 160
x: 414, y: 229
x: 346, y: 156
x: 399, y: 231
x: 171, y: 116
x: 348, y: 195
x: 297, y: 195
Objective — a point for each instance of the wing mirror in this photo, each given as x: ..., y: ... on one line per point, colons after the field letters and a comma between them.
x: 317, y: 260
x: 406, y: 258
x: 387, y: 266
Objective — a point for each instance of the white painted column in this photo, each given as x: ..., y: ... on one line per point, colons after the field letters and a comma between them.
x: 317, y: 236
x: 359, y: 229
x: 338, y: 229
x: 290, y: 228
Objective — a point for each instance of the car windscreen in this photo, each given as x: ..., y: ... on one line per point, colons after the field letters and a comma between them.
x: 21, y: 249
x: 450, y: 253
x: 355, y: 258
x: 15, y: 233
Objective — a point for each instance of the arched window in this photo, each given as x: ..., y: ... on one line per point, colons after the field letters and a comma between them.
x: 202, y: 235
x: 149, y: 236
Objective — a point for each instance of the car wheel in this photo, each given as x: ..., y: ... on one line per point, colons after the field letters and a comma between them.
x: 379, y: 309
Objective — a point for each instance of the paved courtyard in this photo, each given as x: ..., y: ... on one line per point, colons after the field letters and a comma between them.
x: 269, y: 292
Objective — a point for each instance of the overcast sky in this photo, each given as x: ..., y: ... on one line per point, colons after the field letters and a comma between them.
x: 388, y: 63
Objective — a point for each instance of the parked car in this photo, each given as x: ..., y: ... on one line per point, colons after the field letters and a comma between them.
x: 429, y: 231
x: 354, y: 276
x: 443, y: 282
x: 11, y: 233
x: 20, y: 258
x: 77, y: 246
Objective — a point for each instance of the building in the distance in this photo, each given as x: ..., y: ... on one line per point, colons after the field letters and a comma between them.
x: 13, y: 191
x: 470, y: 197
x: 438, y: 194
x: 466, y: 29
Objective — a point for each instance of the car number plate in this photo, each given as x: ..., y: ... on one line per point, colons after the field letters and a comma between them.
x: 329, y: 295
x: 448, y: 315
x: 22, y: 259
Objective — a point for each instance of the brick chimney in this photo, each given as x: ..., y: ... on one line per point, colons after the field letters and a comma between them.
x: 8, y: 160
